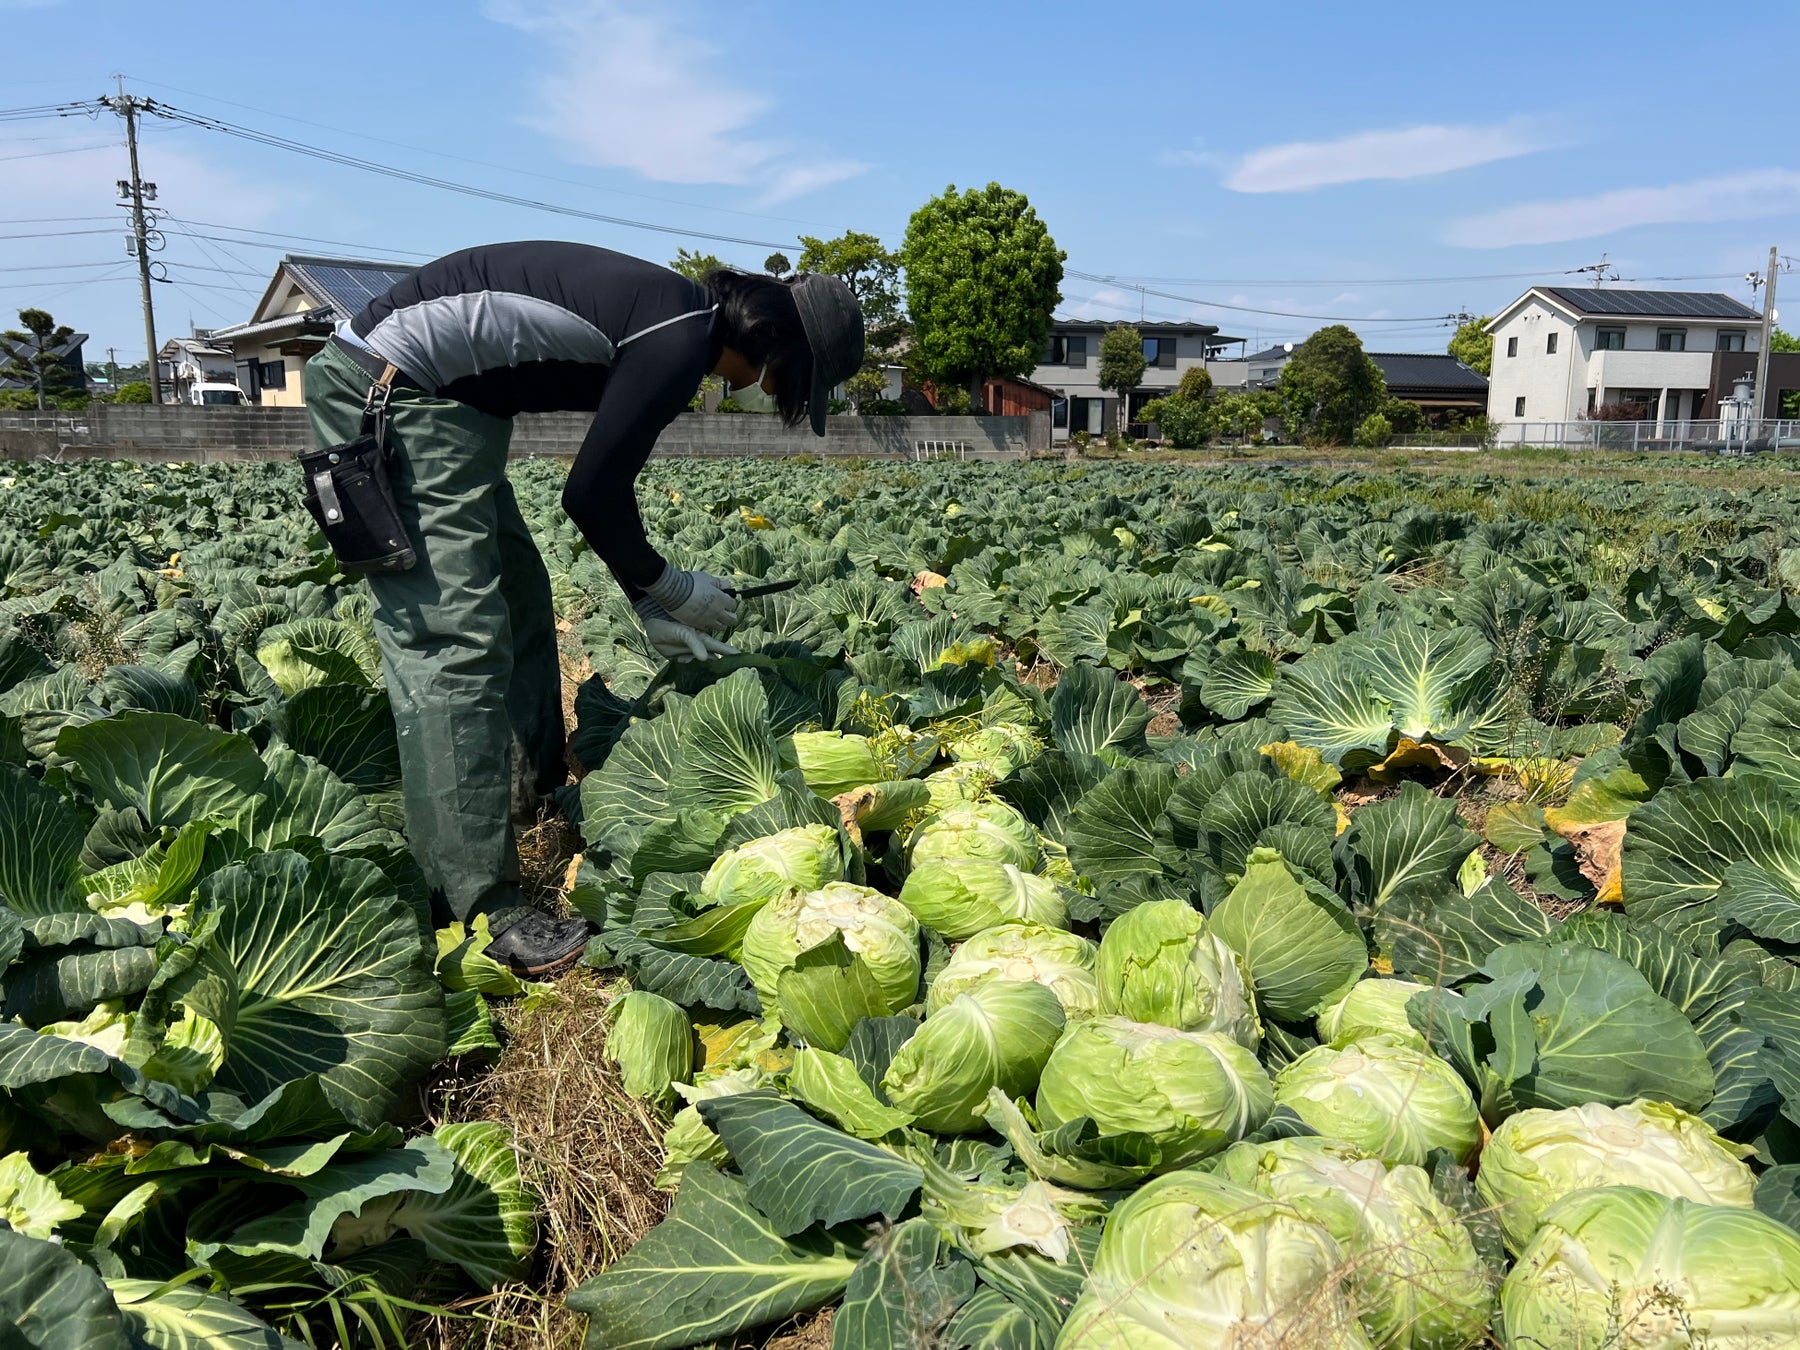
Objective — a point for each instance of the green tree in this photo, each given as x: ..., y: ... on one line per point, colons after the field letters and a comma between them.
x: 1196, y: 385
x: 1240, y: 414
x: 777, y: 264
x: 1782, y: 341
x: 136, y: 391
x: 693, y: 266
x: 1329, y: 385
x: 33, y: 357
x: 1121, y: 364
x: 983, y: 277
x: 1403, y: 415
x: 1473, y: 345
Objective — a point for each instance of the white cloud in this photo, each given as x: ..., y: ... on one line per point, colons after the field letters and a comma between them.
x: 1106, y: 303
x: 1407, y: 152
x: 625, y: 87
x: 1195, y: 156
x: 796, y: 180
x: 1738, y: 196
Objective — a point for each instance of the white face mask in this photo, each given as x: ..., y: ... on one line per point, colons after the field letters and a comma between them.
x: 753, y: 397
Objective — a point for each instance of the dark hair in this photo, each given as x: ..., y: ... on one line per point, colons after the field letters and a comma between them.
x: 762, y: 324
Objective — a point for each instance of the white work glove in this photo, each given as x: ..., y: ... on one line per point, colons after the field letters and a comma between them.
x: 676, y: 641
x: 697, y: 599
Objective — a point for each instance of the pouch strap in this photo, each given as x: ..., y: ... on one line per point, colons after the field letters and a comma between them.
x: 328, y: 498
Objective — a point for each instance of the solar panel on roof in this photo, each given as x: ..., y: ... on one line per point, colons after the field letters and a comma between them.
x: 1654, y: 304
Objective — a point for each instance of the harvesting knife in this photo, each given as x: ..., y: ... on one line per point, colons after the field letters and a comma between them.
x: 767, y: 588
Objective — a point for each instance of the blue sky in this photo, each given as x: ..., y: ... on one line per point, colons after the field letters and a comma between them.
x: 1386, y: 164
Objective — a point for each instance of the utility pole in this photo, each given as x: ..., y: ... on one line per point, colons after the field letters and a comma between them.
x: 1761, y: 397
x: 127, y: 106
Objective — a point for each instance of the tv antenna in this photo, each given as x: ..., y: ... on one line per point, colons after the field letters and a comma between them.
x: 1602, y: 271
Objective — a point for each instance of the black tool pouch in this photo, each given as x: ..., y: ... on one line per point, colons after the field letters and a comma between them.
x: 348, y: 493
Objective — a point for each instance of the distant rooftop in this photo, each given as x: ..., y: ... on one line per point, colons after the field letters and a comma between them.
x: 1601, y: 300
x: 1270, y: 354
x: 1416, y: 373
x: 347, y: 284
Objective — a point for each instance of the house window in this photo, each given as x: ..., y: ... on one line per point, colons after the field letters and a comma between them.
x: 1592, y: 394
x: 1077, y: 350
x: 1609, y: 340
x: 1731, y: 340
x: 1159, y: 352
x: 1059, y: 412
x: 1671, y: 339
x: 271, y: 374
x: 1056, y: 352
x: 1519, y: 406
x: 1512, y: 346
x: 1550, y: 345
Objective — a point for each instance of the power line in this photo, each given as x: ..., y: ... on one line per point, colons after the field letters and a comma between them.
x: 204, y: 123
x: 479, y: 163
x: 301, y: 238
x: 1248, y: 309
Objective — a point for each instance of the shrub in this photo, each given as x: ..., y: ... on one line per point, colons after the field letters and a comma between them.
x: 1184, y: 423
x: 134, y: 391
x: 1404, y: 416
x: 1196, y: 385
x: 1373, y: 431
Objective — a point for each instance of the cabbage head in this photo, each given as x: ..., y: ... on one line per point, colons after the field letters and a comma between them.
x: 803, y: 858
x: 1195, y: 1262
x: 1536, y: 1157
x: 1062, y: 962
x: 956, y: 785
x: 1159, y: 962
x: 1624, y: 1267
x: 876, y: 927
x: 834, y: 762
x: 1384, y: 1096
x: 960, y: 897
x: 652, y: 1042
x: 998, y: 1034
x: 1191, y: 1092
x: 1415, y: 1278
x: 1373, y: 1007
x: 996, y: 750
x: 986, y: 829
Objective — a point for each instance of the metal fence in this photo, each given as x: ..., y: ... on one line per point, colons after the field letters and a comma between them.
x: 1704, y: 436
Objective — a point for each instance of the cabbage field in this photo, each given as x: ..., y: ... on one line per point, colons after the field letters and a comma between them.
x: 1105, y: 907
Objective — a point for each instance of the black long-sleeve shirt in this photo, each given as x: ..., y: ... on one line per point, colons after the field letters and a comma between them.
x: 549, y: 327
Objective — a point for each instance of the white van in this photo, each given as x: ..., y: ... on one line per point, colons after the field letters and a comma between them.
x: 217, y: 395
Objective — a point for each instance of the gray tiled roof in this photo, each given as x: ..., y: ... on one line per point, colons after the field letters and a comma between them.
x: 1653, y: 304
x: 1423, y: 372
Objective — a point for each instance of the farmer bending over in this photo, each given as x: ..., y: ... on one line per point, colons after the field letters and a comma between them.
x: 467, y: 634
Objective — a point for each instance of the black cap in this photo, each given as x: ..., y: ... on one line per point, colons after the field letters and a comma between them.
x: 834, y: 330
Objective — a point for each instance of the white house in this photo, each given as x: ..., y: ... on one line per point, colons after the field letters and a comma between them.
x: 186, y: 362
x: 1561, y: 352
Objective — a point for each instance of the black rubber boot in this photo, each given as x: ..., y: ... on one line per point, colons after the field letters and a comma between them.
x: 535, y: 945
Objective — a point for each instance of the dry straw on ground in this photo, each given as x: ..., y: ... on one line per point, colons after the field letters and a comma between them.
x: 589, y: 1150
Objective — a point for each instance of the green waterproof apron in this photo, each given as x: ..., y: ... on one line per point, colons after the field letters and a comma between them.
x: 468, y: 636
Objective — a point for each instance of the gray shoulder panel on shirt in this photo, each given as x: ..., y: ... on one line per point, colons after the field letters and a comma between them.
x: 451, y: 337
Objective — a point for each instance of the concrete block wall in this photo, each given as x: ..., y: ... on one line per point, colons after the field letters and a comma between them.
x: 173, y: 433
